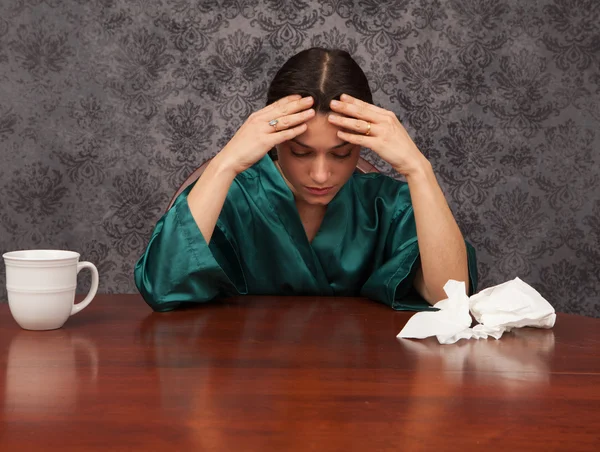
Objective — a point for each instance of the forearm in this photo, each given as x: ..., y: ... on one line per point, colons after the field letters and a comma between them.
x: 441, y: 244
x: 208, y: 195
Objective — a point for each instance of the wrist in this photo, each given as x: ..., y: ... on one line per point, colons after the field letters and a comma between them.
x: 421, y: 169
x: 223, y: 164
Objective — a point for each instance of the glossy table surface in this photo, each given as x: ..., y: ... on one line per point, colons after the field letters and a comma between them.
x: 293, y: 373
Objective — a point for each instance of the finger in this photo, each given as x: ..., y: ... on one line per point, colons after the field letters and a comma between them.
x: 361, y: 140
x: 283, y: 101
x: 285, y: 122
x: 356, y: 111
x: 355, y: 125
x: 361, y: 103
x: 294, y: 106
x: 287, y: 134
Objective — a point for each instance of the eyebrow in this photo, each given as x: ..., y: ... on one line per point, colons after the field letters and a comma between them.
x: 298, y: 142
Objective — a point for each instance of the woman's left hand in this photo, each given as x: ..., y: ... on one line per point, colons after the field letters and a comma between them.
x: 379, y: 130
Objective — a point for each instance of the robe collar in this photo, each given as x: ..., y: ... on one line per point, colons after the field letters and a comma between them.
x: 332, y: 229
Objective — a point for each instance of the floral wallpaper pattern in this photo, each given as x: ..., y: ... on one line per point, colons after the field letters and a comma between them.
x: 107, y: 105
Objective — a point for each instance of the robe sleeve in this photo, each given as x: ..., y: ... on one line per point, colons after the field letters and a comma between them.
x: 178, y: 266
x: 391, y: 282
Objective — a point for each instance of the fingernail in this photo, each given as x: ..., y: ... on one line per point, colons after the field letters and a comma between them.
x: 345, y: 97
x: 334, y: 117
x: 335, y: 103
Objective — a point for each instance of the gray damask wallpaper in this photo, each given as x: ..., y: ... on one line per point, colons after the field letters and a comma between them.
x: 107, y: 105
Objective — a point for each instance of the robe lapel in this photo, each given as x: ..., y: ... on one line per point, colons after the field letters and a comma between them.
x: 335, y: 222
x: 282, y: 203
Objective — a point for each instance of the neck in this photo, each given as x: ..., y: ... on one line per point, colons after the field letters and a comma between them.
x: 311, y: 211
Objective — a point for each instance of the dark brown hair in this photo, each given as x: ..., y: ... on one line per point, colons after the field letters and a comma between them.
x: 323, y: 74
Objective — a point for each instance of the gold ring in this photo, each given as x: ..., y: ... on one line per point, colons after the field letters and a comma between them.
x: 368, y: 129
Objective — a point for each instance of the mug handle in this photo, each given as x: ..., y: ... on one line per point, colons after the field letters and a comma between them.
x: 93, y: 289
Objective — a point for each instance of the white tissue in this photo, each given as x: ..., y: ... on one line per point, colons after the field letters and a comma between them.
x: 512, y: 304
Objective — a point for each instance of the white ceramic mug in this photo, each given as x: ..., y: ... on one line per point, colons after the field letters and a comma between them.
x: 41, y: 287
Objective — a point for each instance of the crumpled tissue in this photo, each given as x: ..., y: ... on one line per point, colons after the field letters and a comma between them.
x: 513, y: 304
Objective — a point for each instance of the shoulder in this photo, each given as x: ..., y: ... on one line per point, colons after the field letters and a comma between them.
x: 243, y: 187
x: 247, y: 182
x: 256, y: 170
x: 374, y: 188
x: 248, y: 187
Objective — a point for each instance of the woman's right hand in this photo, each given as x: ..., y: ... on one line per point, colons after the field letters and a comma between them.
x: 255, y: 138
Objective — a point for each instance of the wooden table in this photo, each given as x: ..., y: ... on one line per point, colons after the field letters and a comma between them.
x: 285, y: 374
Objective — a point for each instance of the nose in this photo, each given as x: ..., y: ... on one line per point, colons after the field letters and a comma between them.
x: 319, y: 170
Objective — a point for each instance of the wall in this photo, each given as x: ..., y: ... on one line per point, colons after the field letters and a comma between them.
x: 106, y: 106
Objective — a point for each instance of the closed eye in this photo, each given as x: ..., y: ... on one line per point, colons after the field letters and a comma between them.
x: 308, y: 153
x: 301, y: 154
x: 341, y: 157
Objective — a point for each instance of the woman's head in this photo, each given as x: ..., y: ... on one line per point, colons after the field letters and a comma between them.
x: 318, y: 158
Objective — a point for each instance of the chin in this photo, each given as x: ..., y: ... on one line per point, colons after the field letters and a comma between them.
x: 318, y: 200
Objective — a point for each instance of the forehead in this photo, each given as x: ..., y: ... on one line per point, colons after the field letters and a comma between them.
x: 320, y: 134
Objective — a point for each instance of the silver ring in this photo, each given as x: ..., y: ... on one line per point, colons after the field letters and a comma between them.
x: 273, y: 123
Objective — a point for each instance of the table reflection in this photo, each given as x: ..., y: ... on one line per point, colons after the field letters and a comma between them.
x: 224, y: 365
x: 42, y: 371
x: 517, y: 363
x: 233, y: 337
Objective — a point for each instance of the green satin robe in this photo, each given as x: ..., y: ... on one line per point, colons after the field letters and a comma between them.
x: 366, y: 246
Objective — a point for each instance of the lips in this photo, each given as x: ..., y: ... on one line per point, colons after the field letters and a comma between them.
x: 319, y: 191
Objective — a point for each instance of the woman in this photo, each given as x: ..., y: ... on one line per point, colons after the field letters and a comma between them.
x: 305, y: 223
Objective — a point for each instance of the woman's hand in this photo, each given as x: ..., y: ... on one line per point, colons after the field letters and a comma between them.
x: 379, y: 130
x: 256, y: 137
